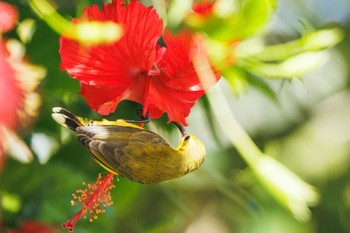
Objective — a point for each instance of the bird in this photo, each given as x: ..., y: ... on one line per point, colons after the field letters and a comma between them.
x: 133, y: 152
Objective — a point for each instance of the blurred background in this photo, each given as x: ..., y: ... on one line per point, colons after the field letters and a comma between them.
x: 305, y: 126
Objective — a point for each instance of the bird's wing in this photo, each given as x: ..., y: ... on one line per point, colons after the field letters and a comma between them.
x: 128, y: 151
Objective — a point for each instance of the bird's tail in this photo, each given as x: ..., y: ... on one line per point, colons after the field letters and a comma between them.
x: 66, y: 118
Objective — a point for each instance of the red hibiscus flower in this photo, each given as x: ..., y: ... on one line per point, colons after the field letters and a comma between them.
x: 8, y: 17
x: 11, y: 97
x: 19, y: 99
x: 136, y: 67
x: 11, y: 94
x: 19, y: 79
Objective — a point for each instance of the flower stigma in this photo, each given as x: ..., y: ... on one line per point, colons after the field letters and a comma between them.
x: 93, y: 199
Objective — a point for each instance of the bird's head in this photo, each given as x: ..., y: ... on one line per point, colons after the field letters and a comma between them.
x: 193, y: 150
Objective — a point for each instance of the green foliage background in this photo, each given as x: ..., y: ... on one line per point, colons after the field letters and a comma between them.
x: 303, y: 122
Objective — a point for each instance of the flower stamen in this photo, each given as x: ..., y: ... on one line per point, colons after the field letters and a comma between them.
x: 93, y: 199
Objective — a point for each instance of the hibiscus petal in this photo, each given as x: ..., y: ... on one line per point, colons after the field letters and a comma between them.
x: 177, y: 61
x: 177, y: 89
x: 119, y: 63
x: 177, y: 104
x: 154, y: 111
x: 104, y: 99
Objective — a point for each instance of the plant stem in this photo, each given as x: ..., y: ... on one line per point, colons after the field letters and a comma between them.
x: 233, y: 130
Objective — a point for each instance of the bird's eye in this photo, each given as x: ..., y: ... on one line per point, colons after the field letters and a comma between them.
x: 187, y: 138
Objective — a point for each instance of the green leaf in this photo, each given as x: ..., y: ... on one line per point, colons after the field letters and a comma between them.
x: 253, y: 16
x: 293, y: 67
x: 237, y: 79
x: 177, y: 12
x: 261, y: 85
x: 313, y: 41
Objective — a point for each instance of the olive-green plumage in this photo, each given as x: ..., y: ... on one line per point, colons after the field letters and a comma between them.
x: 131, y: 151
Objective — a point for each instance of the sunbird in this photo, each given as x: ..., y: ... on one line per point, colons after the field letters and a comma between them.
x: 133, y: 152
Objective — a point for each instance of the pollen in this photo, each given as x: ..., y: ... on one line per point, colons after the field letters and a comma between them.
x: 93, y: 199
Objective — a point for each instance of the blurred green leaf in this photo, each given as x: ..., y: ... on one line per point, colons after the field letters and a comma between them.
x: 263, y: 87
x: 177, y: 12
x: 252, y: 17
x: 290, y: 68
x: 310, y: 42
x: 237, y: 79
